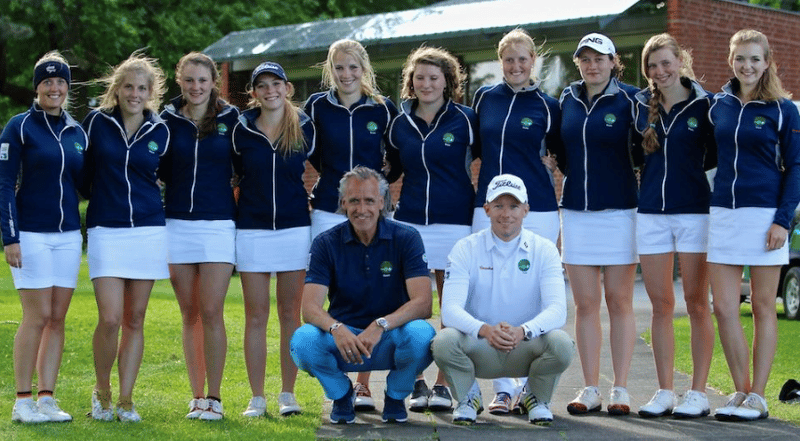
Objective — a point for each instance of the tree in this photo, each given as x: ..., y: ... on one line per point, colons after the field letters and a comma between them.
x: 96, y: 34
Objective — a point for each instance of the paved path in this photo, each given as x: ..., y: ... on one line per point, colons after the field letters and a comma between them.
x: 596, y: 427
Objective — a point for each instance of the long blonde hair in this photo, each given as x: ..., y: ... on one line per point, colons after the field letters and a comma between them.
x: 138, y: 63
x: 655, y: 43
x: 290, y: 133
x: 519, y: 37
x: 769, y: 87
x: 369, y: 85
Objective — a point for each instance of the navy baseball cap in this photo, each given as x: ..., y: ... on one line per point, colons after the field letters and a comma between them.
x: 268, y: 67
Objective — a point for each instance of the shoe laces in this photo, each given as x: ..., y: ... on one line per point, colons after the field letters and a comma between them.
x: 752, y: 402
x: 362, y: 389
x: 736, y: 399
x: 287, y: 399
x: 215, y: 406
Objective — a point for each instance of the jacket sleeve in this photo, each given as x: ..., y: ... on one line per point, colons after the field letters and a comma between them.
x: 553, y: 312
x: 85, y: 186
x: 393, y: 155
x: 10, y: 162
x: 456, y: 291
x: 789, y: 135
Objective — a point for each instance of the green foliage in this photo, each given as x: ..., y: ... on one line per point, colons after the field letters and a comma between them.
x: 96, y: 34
x: 789, y: 5
x: 162, y: 388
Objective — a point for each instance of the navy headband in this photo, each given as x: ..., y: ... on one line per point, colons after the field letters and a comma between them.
x: 50, y: 69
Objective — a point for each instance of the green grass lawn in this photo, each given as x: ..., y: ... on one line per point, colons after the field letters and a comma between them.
x: 162, y: 389
x: 785, y: 366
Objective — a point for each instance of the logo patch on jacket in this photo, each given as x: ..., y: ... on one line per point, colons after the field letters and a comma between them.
x: 759, y: 121
x: 372, y: 127
x: 692, y: 123
x: 386, y: 268
x: 78, y: 147
x: 448, y: 138
x: 524, y: 265
x: 222, y: 128
x: 526, y: 122
x: 4, y: 151
x: 152, y: 146
x: 610, y: 119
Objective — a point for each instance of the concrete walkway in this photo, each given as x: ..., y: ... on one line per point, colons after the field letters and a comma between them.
x: 598, y: 426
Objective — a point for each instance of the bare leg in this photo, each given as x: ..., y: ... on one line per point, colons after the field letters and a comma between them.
x: 585, y: 284
x: 184, y: 280
x: 255, y: 289
x: 726, y: 286
x: 694, y: 272
x: 109, y: 294
x: 440, y: 379
x: 131, y: 347
x: 618, y: 284
x: 657, y: 275
x: 52, y: 345
x: 764, y: 280
x: 289, y: 296
x: 213, y: 282
x: 36, y: 313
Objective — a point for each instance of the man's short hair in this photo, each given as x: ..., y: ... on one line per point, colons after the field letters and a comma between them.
x: 363, y: 173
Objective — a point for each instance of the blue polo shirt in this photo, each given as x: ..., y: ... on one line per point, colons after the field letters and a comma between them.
x: 366, y: 281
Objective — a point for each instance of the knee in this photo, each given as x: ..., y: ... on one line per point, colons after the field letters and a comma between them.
x: 619, y: 304
x: 698, y: 306
x: 663, y: 305
x: 288, y: 311
x: 212, y: 314
x: 561, y: 346
x: 445, y: 344
x: 109, y: 321
x: 418, y: 334
x: 305, y: 340
x: 135, y: 320
x: 56, y: 323
x: 256, y: 318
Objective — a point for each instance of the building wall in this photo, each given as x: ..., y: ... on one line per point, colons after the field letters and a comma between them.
x: 706, y: 26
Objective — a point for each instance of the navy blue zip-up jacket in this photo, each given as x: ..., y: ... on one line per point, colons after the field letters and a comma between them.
x: 600, y: 148
x: 758, y: 145
x: 120, y: 178
x: 49, y: 152
x: 345, y: 138
x: 435, y: 159
x: 516, y: 130
x: 198, y: 172
x: 673, y: 179
x: 272, y: 195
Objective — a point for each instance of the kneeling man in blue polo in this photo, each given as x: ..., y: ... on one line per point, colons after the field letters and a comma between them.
x: 374, y: 274
x: 503, y: 304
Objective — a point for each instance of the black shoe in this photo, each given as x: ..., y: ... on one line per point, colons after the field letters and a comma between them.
x: 419, y: 398
x: 440, y: 398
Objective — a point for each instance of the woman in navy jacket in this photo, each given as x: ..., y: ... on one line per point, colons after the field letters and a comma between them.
x: 518, y: 124
x: 351, y: 120
x: 272, y: 141
x: 197, y: 170
x: 756, y: 191
x: 679, y: 146
x: 127, y: 247
x: 598, y: 215
x: 41, y: 231
x: 432, y: 143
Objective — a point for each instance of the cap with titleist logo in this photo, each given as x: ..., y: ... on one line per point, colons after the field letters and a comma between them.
x: 507, y: 184
x: 598, y: 42
x: 268, y: 67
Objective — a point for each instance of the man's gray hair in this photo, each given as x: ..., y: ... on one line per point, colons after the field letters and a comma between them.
x: 362, y: 174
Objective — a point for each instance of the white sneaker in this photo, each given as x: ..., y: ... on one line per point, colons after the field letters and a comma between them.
x: 588, y: 400
x: 619, y: 403
x: 128, y: 416
x: 469, y: 408
x: 538, y: 411
x: 99, y: 412
x: 734, y: 401
x: 661, y: 404
x: 47, y: 406
x: 214, y: 411
x: 695, y: 405
x: 196, y: 407
x: 26, y: 411
x: 287, y: 404
x: 256, y: 407
x: 754, y: 407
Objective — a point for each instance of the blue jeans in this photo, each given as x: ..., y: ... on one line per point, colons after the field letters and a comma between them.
x: 404, y: 351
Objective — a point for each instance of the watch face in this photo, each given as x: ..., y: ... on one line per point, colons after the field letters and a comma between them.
x: 382, y: 323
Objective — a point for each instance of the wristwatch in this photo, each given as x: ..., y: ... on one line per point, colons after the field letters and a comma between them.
x: 527, y: 334
x: 334, y: 326
x: 383, y: 323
